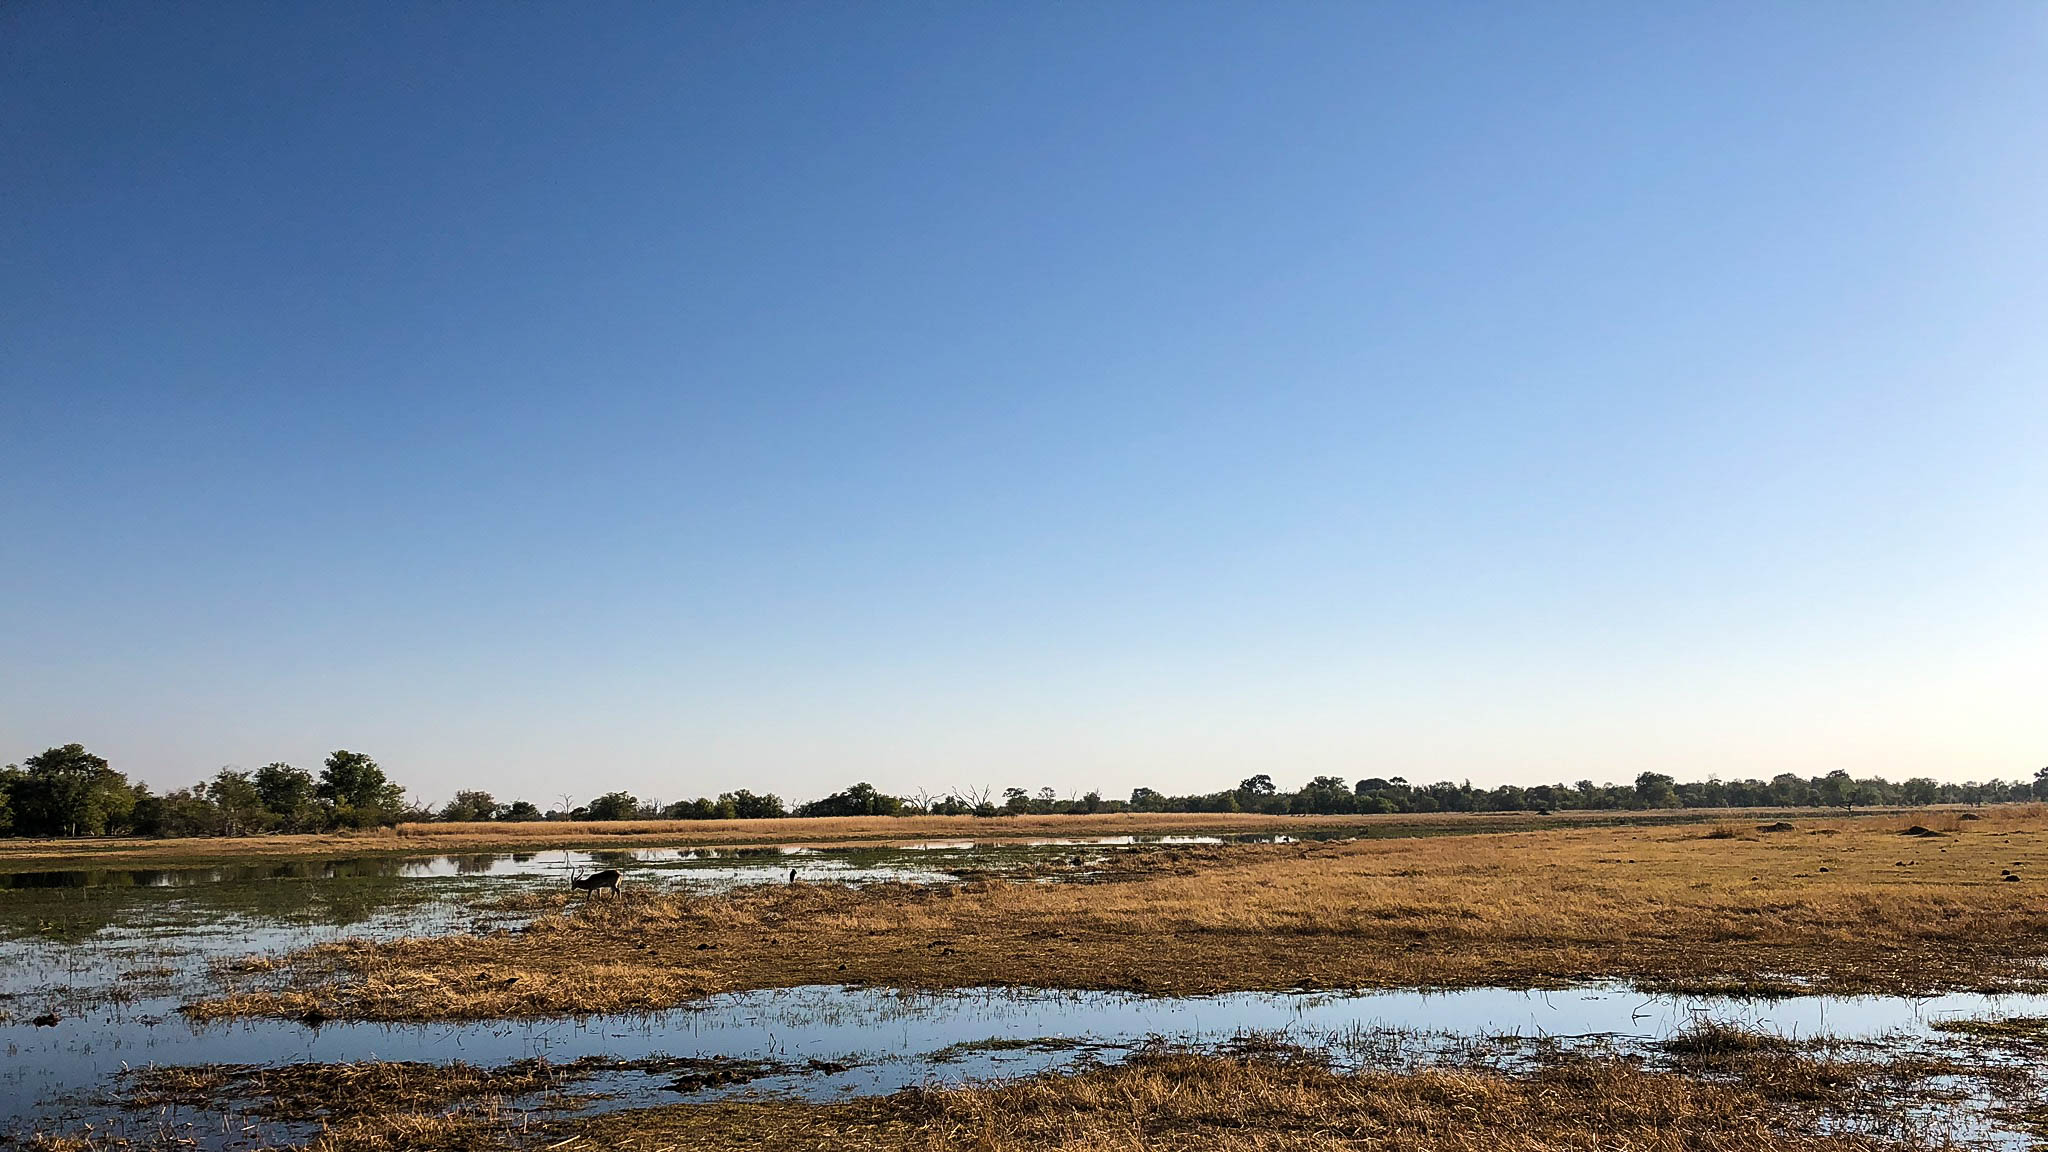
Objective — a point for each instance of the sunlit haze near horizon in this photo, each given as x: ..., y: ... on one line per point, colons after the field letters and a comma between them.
x: 683, y: 398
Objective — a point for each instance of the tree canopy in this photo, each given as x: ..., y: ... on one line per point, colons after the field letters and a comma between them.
x: 356, y: 787
x: 68, y: 791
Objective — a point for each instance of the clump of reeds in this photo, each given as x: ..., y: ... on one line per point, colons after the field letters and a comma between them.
x: 1787, y: 1070
x: 1719, y: 1041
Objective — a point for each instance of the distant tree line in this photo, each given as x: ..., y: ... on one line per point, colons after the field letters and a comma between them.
x: 1323, y: 795
x: 71, y: 792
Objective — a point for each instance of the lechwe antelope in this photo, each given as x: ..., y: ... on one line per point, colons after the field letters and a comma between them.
x: 609, y: 878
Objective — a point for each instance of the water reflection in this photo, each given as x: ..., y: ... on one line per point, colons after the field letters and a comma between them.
x: 74, y: 906
x: 773, y: 861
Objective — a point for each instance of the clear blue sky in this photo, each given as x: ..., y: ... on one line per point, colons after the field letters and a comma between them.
x: 676, y: 398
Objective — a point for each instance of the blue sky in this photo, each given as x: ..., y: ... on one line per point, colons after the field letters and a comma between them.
x: 551, y: 399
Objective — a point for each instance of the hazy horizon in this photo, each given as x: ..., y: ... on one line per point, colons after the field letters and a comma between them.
x: 555, y: 400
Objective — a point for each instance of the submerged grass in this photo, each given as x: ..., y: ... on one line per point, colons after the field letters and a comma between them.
x: 1271, y: 1100
x: 373, y: 1088
x: 380, y: 1104
x: 1259, y: 1095
x: 337, y: 1091
x: 2028, y: 1030
x: 1863, y: 910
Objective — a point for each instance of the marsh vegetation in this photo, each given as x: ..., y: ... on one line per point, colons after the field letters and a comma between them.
x: 888, y: 995
x: 1727, y: 1090
x: 1841, y: 906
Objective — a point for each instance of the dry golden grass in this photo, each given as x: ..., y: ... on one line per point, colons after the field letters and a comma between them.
x: 1845, y: 906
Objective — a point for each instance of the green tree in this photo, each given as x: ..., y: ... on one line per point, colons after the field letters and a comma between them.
x: 1325, y: 795
x: 7, y: 777
x: 187, y: 812
x: 147, y: 817
x: 2041, y: 784
x: 236, y: 803
x: 468, y: 806
x: 356, y: 787
x: 68, y: 791
x: 1656, y: 790
x: 747, y: 806
x: 287, y: 794
x: 1838, y: 788
x: 520, y: 810
x: 860, y: 800
x: 613, y: 806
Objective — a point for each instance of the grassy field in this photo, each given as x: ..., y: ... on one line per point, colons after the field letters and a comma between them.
x: 19, y: 855
x: 1915, y: 903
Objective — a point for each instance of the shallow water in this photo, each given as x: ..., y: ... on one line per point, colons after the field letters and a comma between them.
x: 374, y: 895
x: 115, y: 951
x: 891, y: 1040
x: 367, y: 894
x: 701, y: 865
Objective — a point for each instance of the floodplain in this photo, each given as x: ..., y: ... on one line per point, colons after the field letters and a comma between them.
x: 455, y: 839
x: 1749, y: 981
